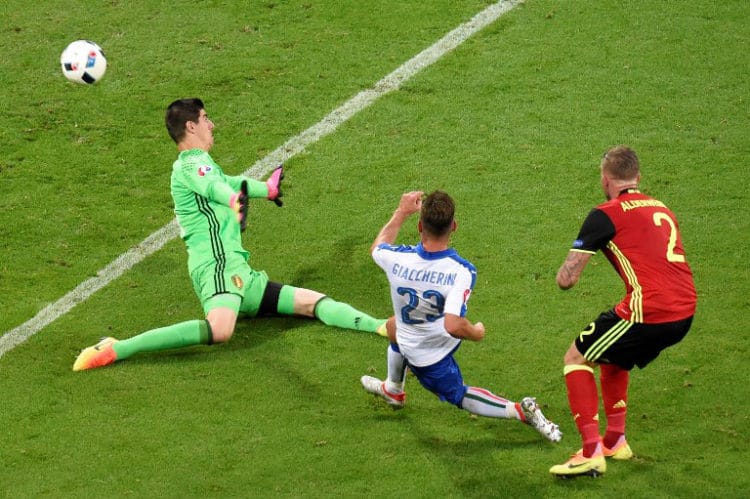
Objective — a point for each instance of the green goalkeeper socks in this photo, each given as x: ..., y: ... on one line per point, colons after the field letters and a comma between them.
x: 338, y: 314
x: 184, y: 334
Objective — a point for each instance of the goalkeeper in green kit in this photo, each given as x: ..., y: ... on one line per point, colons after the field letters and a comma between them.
x: 211, y: 208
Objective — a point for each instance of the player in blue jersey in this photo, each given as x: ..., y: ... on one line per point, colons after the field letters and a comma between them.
x: 210, y: 208
x: 430, y: 287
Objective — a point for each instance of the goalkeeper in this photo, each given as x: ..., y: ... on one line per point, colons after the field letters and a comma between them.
x: 211, y: 208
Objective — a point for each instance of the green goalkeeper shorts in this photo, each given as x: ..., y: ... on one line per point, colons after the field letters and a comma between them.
x: 236, y: 278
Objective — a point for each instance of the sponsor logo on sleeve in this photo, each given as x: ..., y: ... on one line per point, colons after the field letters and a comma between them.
x: 202, y: 170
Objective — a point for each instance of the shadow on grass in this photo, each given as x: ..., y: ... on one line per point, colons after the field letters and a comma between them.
x: 249, y: 333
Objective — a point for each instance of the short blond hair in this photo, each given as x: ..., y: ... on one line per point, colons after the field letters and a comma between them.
x: 621, y: 163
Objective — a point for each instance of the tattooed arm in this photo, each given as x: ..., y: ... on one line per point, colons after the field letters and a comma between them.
x: 571, y: 269
x: 597, y: 230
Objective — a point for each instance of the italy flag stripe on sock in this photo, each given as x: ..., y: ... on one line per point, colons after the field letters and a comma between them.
x: 482, y: 395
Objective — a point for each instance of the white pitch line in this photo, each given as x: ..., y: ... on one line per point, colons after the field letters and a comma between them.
x: 289, y: 149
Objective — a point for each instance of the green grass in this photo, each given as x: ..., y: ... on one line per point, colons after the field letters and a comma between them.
x: 512, y: 123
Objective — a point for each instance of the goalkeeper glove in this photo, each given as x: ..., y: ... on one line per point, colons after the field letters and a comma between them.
x: 239, y: 204
x: 274, y: 185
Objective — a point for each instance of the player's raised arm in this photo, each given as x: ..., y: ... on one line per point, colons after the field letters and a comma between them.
x: 410, y: 203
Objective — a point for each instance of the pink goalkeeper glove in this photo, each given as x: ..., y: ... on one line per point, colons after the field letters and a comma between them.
x: 274, y: 185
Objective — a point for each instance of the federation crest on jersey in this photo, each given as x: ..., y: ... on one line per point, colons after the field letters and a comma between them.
x: 202, y: 170
x: 237, y: 281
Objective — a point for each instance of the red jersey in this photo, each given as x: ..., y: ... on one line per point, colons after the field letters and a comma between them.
x: 640, y: 237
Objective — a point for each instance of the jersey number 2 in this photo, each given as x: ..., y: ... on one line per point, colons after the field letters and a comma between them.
x: 673, y: 257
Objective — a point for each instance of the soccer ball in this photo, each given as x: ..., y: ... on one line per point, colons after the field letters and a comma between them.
x: 83, y: 62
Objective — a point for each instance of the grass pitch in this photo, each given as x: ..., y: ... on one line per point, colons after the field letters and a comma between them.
x: 512, y: 123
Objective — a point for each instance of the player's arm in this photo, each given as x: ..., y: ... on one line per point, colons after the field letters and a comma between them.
x: 571, y: 269
x: 255, y: 188
x: 456, y: 305
x: 205, y: 179
x: 596, y: 231
x: 410, y: 203
x: 270, y: 189
x: 462, y: 328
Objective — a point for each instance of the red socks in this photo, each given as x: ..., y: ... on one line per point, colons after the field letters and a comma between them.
x: 614, y: 383
x: 584, y: 404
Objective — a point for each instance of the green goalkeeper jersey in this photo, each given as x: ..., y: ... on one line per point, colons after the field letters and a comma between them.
x: 208, y: 225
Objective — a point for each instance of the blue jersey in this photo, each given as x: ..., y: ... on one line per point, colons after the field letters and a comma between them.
x: 424, y: 287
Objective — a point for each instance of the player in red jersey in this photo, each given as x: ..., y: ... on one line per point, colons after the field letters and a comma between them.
x: 640, y: 237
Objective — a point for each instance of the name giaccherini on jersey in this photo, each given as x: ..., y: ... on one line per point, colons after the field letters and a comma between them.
x: 419, y: 275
